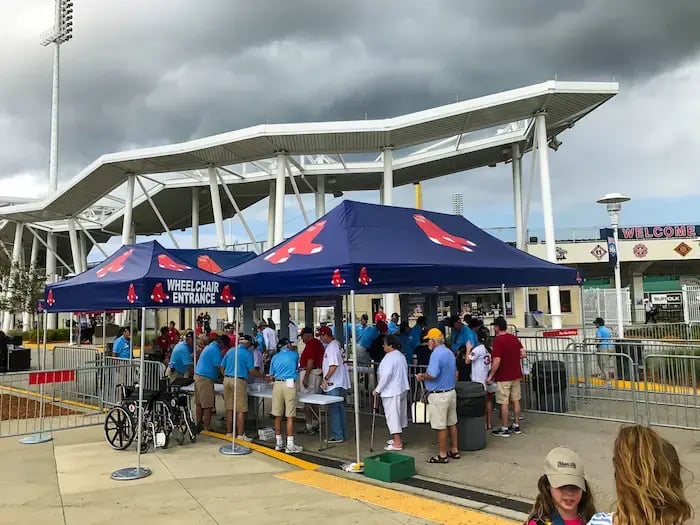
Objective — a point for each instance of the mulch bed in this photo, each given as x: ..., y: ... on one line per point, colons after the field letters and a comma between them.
x: 15, y: 407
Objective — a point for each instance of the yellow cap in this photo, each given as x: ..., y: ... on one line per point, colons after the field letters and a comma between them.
x: 433, y: 333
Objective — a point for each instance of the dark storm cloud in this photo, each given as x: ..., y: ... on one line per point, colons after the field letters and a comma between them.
x: 144, y: 73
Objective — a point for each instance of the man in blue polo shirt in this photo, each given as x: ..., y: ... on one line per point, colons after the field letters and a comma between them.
x: 364, y: 343
x: 284, y: 372
x: 393, y: 324
x: 205, y: 374
x: 181, y: 359
x: 440, y: 381
x: 604, y: 347
x: 122, y: 345
x: 236, y: 384
x: 462, y: 335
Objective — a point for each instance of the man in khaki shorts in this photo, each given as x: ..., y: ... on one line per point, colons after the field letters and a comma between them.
x: 507, y: 372
x: 440, y: 379
x: 205, y: 374
x: 283, y: 371
x: 236, y: 385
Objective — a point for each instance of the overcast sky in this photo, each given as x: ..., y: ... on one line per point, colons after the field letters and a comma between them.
x: 149, y: 72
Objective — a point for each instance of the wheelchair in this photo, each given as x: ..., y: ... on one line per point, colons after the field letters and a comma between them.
x: 166, y: 413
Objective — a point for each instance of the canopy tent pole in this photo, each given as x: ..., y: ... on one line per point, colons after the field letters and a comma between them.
x: 234, y: 449
x: 130, y: 473
x: 131, y: 332
x: 70, y: 328
x: 104, y: 331
x: 355, y: 380
x: 503, y: 300
x: 194, y: 331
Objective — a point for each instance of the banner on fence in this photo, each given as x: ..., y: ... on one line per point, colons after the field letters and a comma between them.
x: 51, y: 376
x: 561, y: 332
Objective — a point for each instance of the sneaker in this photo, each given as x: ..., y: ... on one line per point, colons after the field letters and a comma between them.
x: 334, y: 440
x: 391, y: 446
x: 245, y: 438
x: 501, y: 433
x: 293, y: 449
x: 515, y: 429
x: 279, y: 448
x: 229, y: 434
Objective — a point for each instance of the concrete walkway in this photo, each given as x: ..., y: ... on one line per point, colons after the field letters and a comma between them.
x: 67, y: 481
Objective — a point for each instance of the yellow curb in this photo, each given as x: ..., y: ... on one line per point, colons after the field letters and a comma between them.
x: 412, y: 505
x: 51, y: 399
x: 281, y: 456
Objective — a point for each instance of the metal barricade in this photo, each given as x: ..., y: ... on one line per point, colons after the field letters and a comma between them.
x: 116, y: 371
x: 596, y: 385
x: 671, y: 389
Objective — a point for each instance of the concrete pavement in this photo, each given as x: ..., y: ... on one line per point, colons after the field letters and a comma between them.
x: 67, y: 481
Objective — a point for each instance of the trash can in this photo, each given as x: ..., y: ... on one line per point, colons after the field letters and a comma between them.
x: 626, y: 371
x: 471, y: 415
x: 549, y: 383
x: 530, y: 320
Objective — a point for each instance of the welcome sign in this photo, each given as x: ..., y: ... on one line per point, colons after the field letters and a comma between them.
x: 683, y: 231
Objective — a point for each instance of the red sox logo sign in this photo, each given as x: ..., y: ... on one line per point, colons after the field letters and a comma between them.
x: 117, y: 265
x: 158, y: 294
x: 440, y: 236
x: 49, y: 298
x: 166, y: 263
x: 364, y: 278
x: 131, y: 294
x: 302, y: 244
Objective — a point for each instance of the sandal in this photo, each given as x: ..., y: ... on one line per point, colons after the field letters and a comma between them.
x: 453, y: 455
x: 438, y: 459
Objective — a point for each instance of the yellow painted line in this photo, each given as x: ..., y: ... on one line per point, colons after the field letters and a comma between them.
x: 281, y: 456
x: 417, y: 506
x: 638, y: 385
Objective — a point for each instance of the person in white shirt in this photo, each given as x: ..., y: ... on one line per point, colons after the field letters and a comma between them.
x: 270, y: 338
x: 336, y: 382
x: 393, y: 388
x: 480, y: 359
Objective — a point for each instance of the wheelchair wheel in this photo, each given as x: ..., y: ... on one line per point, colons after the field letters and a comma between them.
x: 119, y: 428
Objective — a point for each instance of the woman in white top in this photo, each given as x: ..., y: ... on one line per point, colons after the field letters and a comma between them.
x: 393, y: 389
x: 648, y: 482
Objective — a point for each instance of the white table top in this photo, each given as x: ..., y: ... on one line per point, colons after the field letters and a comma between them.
x: 312, y: 399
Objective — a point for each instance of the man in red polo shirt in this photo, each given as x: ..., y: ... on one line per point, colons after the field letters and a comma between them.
x: 506, y: 371
x: 173, y: 334
x: 310, y: 375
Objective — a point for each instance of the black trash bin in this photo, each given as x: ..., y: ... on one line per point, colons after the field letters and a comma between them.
x: 634, y: 348
x: 471, y: 415
x: 549, y: 383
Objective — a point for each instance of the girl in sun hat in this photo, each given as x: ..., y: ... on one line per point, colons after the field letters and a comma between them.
x: 564, y: 495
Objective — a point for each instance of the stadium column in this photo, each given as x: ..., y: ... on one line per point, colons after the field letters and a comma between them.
x: 271, y: 217
x: 248, y: 321
x: 82, y: 247
x: 280, y: 186
x: 74, y: 247
x: 309, y: 312
x: 7, y: 320
x: 52, y: 319
x: 547, y: 212
x: 32, y: 265
x: 520, y: 243
x: 195, y: 217
x: 284, y: 321
x: 387, y: 194
x: 338, y: 325
x: 216, y: 208
x: 320, y: 196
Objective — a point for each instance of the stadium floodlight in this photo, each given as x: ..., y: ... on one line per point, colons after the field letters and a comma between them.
x: 60, y: 33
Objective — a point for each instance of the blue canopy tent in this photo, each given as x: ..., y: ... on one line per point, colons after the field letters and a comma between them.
x: 142, y: 275
x: 367, y: 248
x: 370, y: 248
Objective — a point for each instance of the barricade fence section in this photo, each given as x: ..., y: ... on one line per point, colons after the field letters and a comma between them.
x: 60, y: 399
x: 671, y: 389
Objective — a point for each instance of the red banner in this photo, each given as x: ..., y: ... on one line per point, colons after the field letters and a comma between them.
x: 52, y: 376
x: 561, y: 332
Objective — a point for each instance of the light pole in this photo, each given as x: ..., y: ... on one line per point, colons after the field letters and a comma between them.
x: 613, y: 202
x: 59, y: 33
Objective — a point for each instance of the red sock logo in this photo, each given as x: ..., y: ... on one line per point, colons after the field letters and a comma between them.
x: 158, y: 294
x: 302, y: 244
x: 440, y: 236
x: 117, y: 265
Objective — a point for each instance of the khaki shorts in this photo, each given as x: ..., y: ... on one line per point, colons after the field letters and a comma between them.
x: 508, y: 391
x: 284, y: 400
x: 204, y: 392
x: 314, y: 382
x: 442, y: 409
x: 239, y: 387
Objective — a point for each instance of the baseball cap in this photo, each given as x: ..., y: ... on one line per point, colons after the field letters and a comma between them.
x: 307, y: 330
x: 500, y: 322
x: 325, y: 330
x: 599, y: 321
x: 564, y: 467
x: 223, y: 340
x: 433, y: 333
x: 246, y: 337
x: 189, y: 333
x: 283, y: 342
